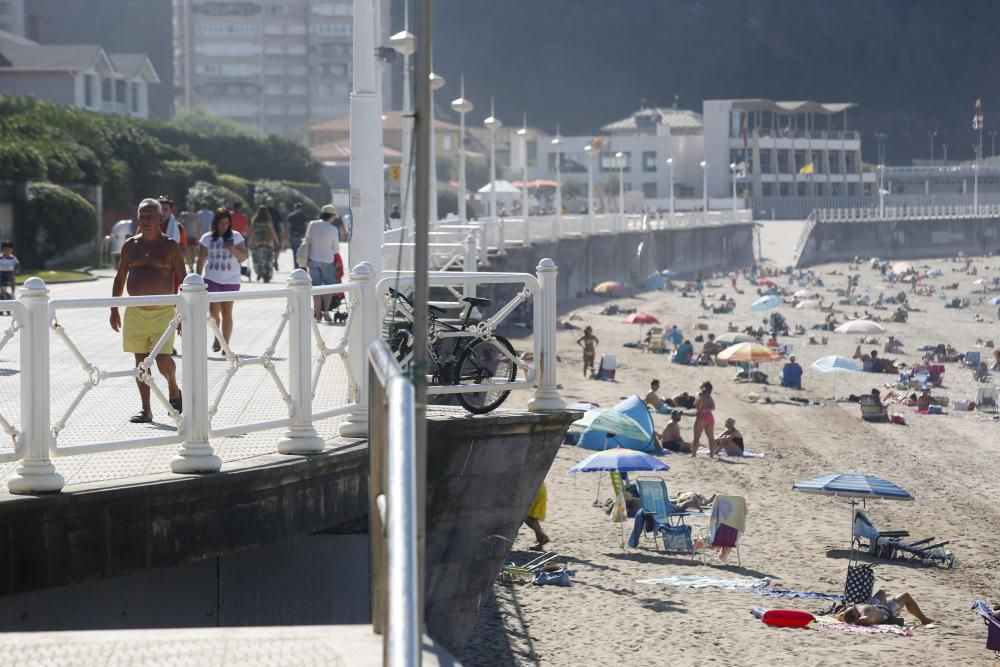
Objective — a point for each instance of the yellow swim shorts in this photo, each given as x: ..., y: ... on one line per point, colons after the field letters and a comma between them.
x: 143, y: 326
x: 538, y: 505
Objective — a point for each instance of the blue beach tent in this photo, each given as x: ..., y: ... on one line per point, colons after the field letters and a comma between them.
x: 633, y: 407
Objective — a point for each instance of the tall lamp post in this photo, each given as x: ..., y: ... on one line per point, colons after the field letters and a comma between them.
x: 732, y: 169
x: 493, y: 124
x: 405, y: 44
x: 555, y: 142
x: 993, y: 143
x: 975, y: 188
x: 620, y: 156
x: 522, y: 137
x: 704, y: 189
x: 462, y: 106
x: 670, y: 170
x: 881, y: 191
x: 932, y: 134
x: 591, y: 154
x: 437, y: 82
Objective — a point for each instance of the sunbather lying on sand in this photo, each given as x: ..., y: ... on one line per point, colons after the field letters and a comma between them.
x: 881, y: 610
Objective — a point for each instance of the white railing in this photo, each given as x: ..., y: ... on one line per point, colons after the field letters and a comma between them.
x: 37, y: 439
x: 897, y: 213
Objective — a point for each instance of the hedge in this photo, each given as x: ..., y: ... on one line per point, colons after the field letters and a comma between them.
x: 56, y: 220
x: 215, y: 195
x: 21, y: 162
x: 263, y: 190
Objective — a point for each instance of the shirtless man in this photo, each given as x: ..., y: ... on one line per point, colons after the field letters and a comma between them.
x: 653, y: 399
x: 881, y: 610
x: 671, y: 437
x: 151, y: 263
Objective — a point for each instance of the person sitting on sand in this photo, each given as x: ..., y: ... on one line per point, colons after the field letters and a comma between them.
x: 772, y: 341
x: 710, y: 350
x: 925, y: 400
x: 996, y: 360
x: 882, y: 610
x: 589, y: 344
x: 893, y: 345
x: 729, y: 441
x: 681, y: 400
x: 671, y: 437
x: 682, y: 355
x: 653, y: 399
x: 791, y: 374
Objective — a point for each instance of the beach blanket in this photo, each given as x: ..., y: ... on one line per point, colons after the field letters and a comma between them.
x: 830, y: 623
x: 747, y: 453
x: 698, y: 581
x: 803, y: 595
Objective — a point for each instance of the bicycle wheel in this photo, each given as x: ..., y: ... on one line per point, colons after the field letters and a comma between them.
x: 485, y: 362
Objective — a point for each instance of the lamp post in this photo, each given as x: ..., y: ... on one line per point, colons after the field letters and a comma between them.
x: 975, y: 188
x: 437, y: 82
x: 944, y: 148
x: 881, y: 191
x: 522, y: 138
x: 492, y: 123
x: 704, y: 189
x: 932, y: 134
x: 732, y: 169
x: 620, y: 156
x: 670, y: 170
x: 591, y: 154
x: 462, y: 106
x: 993, y: 143
x: 555, y: 142
x: 405, y: 44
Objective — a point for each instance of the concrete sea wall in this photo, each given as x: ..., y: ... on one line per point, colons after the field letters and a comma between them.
x: 900, y: 239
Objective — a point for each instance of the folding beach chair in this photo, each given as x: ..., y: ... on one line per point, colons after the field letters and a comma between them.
x: 889, y: 544
x: 725, y: 527
x: 992, y: 625
x: 971, y: 359
x: 666, y: 520
x: 606, y: 369
x: 987, y: 398
x: 871, y: 411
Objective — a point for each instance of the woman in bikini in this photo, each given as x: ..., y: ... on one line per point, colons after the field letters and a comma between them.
x: 704, y: 420
x: 589, y: 344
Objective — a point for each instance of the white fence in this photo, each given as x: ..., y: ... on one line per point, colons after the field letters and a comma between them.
x: 898, y: 213
x: 38, y: 439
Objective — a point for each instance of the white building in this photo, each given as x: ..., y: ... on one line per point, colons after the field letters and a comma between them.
x: 83, y: 76
x: 784, y: 150
x: 12, y: 19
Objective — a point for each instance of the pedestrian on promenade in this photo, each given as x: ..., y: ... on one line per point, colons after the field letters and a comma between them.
x: 240, y: 220
x: 280, y: 233
x: 151, y: 263
x: 263, y: 239
x: 220, y: 253
x: 296, y: 230
x: 323, y: 237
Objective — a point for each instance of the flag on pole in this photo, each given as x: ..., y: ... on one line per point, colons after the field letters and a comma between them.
x: 744, y: 133
x: 977, y: 116
x: 808, y: 169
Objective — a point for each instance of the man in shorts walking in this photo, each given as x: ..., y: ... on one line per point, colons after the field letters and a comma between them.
x: 151, y: 263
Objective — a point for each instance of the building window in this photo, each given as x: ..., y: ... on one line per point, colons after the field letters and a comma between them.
x: 649, y: 190
x: 800, y: 189
x: 782, y: 162
x: 821, y: 189
x: 783, y: 189
x: 835, y: 189
x: 135, y: 97
x: 767, y: 189
x: 852, y: 189
x: 648, y: 164
x: 766, y: 166
x: 106, y: 90
x: 88, y: 90
x: 851, y: 165
x: 448, y: 142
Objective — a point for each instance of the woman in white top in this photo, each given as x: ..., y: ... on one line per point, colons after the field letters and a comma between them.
x: 323, y: 236
x: 220, y: 253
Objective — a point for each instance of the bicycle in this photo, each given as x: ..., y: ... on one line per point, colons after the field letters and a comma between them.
x: 477, y: 356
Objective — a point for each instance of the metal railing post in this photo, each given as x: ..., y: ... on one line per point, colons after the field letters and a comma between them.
x: 35, y: 473
x: 546, y: 391
x: 484, y: 243
x: 471, y: 261
x: 361, y: 335
x: 501, y: 242
x: 196, y: 453
x: 301, y: 436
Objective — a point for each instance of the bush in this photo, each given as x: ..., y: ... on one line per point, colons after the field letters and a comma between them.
x: 263, y: 190
x: 237, y: 184
x: 215, y: 195
x: 176, y: 177
x: 21, y: 162
x: 56, y: 220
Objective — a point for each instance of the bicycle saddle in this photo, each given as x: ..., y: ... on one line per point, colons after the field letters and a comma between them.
x: 435, y: 310
x: 477, y: 301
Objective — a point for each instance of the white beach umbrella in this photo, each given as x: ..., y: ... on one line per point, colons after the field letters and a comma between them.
x: 804, y: 294
x: 860, y: 327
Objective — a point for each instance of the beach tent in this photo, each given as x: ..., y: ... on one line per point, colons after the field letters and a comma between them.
x: 597, y: 440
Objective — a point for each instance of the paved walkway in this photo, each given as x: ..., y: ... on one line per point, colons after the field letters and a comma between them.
x: 104, y: 412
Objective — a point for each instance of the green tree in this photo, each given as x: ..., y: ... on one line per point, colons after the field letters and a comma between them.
x: 21, y: 162
x: 55, y: 220
x: 573, y: 188
x: 199, y: 121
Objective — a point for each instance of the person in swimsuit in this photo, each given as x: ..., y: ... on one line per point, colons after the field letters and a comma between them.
x: 671, y: 437
x: 151, y: 263
x: 589, y: 344
x: 881, y: 610
x: 704, y: 420
x: 729, y: 441
x: 653, y: 399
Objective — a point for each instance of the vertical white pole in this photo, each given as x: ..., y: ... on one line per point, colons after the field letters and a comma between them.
x: 471, y: 260
x: 524, y: 179
x: 35, y: 473
x: 301, y: 436
x: 407, y: 171
x: 196, y: 453
x: 590, y: 192
x: 461, y: 157
x: 670, y: 166
x: 621, y: 194
x: 546, y: 389
x: 362, y: 333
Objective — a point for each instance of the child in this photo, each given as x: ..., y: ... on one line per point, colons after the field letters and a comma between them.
x: 589, y: 344
x: 8, y: 269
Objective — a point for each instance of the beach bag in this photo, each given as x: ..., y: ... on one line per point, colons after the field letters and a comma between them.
x: 676, y: 538
x: 860, y: 584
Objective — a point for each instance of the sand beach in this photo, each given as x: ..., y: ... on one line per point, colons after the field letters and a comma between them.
x: 796, y: 541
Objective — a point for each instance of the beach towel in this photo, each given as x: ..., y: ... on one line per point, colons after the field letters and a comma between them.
x: 803, y: 595
x: 698, y: 581
x: 830, y: 623
x: 747, y: 453
x: 731, y: 513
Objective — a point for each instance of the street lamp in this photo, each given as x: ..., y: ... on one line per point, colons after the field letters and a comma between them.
x: 522, y: 137
x: 670, y: 169
x: 437, y: 82
x: 704, y: 187
x: 975, y: 188
x: 993, y: 142
x: 932, y: 134
x: 555, y: 142
x: 881, y: 191
x: 620, y: 156
x: 462, y: 106
x: 591, y: 154
x: 732, y: 168
x: 944, y: 148
x: 404, y: 43
x: 493, y: 124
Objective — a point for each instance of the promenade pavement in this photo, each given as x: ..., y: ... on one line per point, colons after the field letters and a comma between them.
x: 103, y: 414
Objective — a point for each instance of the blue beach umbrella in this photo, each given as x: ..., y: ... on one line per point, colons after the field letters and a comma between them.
x: 995, y: 301
x: 620, y: 459
x: 854, y: 486
x: 766, y: 302
x: 835, y: 364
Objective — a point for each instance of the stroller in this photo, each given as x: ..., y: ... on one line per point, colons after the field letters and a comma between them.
x: 263, y: 262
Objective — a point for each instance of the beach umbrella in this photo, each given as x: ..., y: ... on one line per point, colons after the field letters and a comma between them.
x: 765, y: 303
x: 860, y: 327
x: 995, y: 301
x: 804, y: 294
x: 641, y: 318
x: 766, y: 281
x: 610, y: 420
x: 609, y: 287
x: 835, y: 364
x: 729, y: 339
x: 901, y: 267
x: 621, y: 460
x: 854, y: 486
x: 749, y: 352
